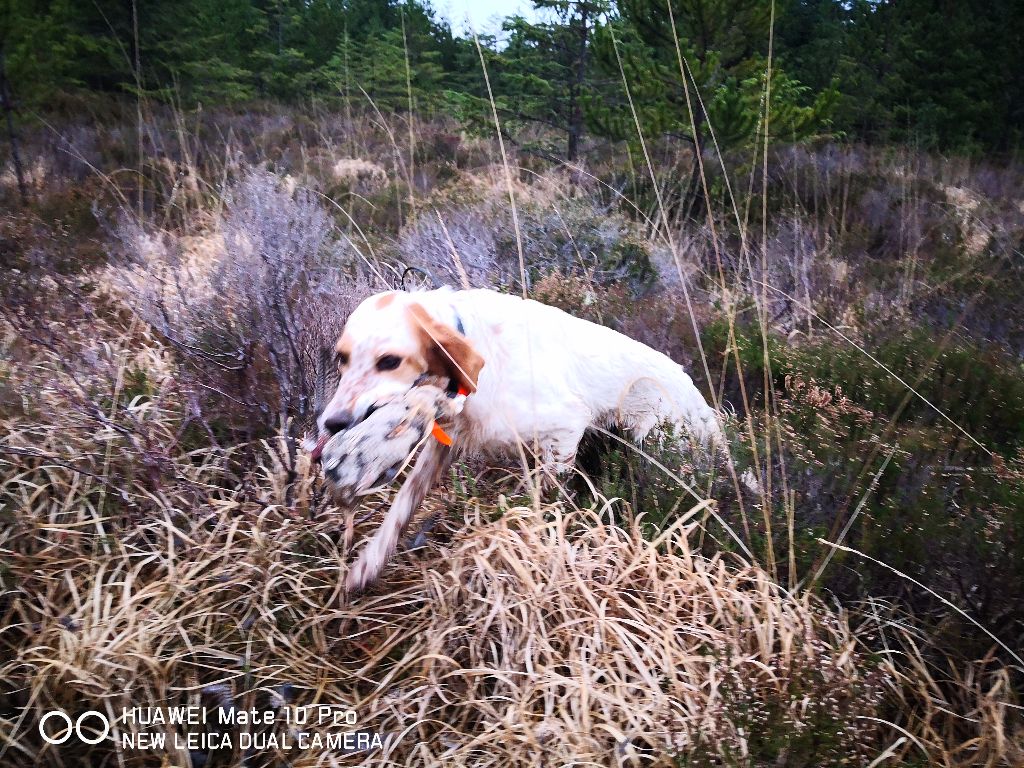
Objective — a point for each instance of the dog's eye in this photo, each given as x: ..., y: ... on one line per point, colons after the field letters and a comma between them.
x: 389, y: 363
x: 341, y: 359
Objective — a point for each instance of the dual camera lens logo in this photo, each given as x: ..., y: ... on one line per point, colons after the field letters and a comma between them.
x: 75, y: 727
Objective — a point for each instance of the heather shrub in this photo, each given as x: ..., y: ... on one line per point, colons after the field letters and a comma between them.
x: 104, y: 384
x: 252, y: 304
x: 571, y: 237
x: 943, y: 510
x: 359, y: 175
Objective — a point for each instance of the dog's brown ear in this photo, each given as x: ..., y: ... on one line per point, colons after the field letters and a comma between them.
x: 447, y: 351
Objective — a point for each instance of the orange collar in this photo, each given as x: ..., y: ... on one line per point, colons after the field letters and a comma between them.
x: 440, y: 435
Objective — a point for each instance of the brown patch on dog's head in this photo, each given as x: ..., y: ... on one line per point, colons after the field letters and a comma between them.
x: 447, y: 352
x: 344, y: 346
x: 384, y: 300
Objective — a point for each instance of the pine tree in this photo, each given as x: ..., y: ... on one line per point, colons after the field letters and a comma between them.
x: 540, y: 76
x: 566, y: 45
x: 202, y: 50
x: 62, y: 45
x: 694, y: 65
x: 940, y: 75
x: 390, y: 63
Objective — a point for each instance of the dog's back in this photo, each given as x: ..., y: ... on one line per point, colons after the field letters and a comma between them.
x: 550, y: 375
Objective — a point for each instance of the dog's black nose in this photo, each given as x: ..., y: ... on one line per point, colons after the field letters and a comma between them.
x: 338, y: 422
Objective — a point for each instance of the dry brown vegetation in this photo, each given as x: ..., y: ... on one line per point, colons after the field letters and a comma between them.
x: 546, y: 632
x: 164, y: 541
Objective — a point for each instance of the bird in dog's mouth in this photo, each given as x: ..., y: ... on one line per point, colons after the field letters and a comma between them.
x: 371, y: 454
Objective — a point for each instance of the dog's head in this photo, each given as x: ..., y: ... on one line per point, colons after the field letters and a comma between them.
x: 390, y: 341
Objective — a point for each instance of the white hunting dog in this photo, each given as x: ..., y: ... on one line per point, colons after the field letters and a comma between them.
x: 534, y: 375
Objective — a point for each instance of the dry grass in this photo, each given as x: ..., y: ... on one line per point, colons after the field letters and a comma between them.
x: 555, y: 634
x: 526, y: 635
x: 556, y: 631
x: 159, y: 549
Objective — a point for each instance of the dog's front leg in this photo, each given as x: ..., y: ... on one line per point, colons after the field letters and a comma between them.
x: 432, y: 462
